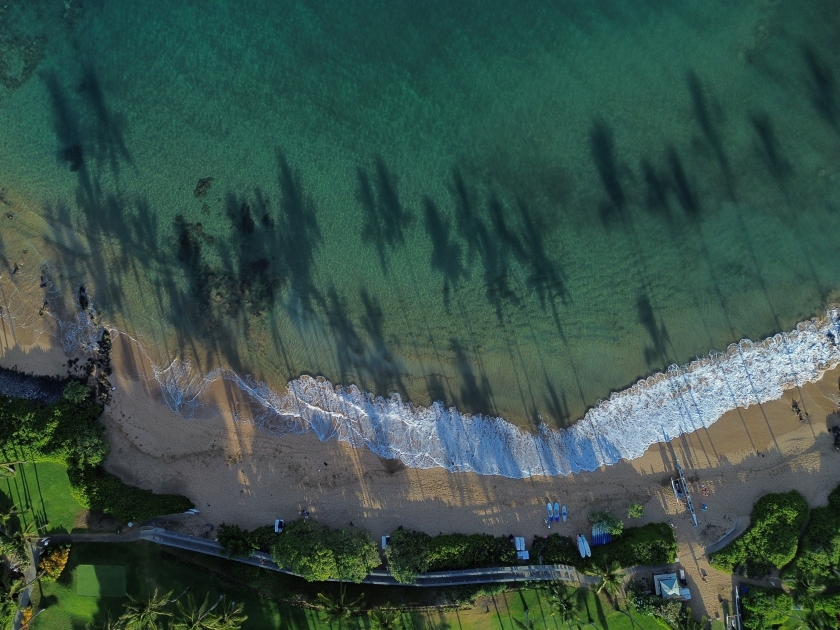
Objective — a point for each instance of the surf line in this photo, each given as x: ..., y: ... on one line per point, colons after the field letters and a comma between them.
x: 661, y: 407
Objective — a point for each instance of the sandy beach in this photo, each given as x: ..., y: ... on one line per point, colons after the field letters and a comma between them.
x: 236, y: 473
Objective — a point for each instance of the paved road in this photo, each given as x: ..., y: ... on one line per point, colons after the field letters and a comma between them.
x: 537, y: 572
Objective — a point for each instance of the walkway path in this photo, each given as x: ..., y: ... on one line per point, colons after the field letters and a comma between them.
x: 536, y: 572
x: 741, y: 525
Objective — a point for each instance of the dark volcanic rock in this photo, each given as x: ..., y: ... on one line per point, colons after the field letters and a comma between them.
x: 15, y: 384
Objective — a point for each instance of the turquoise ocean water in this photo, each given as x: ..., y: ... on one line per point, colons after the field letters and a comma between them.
x: 514, y: 208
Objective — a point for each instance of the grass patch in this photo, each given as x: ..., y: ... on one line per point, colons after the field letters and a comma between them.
x: 100, y: 581
x: 148, y: 566
x: 500, y: 612
x: 44, y: 488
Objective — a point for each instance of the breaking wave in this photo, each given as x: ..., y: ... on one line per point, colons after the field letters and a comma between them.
x: 658, y: 408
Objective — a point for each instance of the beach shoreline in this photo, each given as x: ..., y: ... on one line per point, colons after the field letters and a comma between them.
x: 237, y: 473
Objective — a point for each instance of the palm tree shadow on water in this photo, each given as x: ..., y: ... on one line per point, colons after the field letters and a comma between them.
x: 386, y: 219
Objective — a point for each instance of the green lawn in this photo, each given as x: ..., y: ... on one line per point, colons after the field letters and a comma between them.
x: 146, y: 569
x: 45, y: 489
x: 148, y: 566
x: 100, y: 580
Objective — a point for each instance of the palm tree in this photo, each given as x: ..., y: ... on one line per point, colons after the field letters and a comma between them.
x: 817, y: 620
x: 805, y: 588
x: 611, y: 582
x: 6, y: 516
x: 12, y: 586
x: 381, y: 619
x: 611, y: 579
x: 562, y: 602
x: 194, y: 617
x: 231, y: 617
x: 337, y: 608
x: 145, y: 615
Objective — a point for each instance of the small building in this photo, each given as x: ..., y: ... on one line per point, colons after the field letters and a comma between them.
x: 667, y: 586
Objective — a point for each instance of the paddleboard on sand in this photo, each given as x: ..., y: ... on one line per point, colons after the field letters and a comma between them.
x: 550, y: 512
x: 557, y: 512
x: 564, y: 513
x: 581, y: 542
x: 586, y: 549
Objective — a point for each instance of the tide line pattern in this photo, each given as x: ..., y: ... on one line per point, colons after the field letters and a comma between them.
x: 656, y: 409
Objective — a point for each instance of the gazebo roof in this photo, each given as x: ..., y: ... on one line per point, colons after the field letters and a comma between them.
x: 670, y: 587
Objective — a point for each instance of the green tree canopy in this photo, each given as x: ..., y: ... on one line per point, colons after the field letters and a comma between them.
x: 339, y: 608
x: 408, y: 554
x: 236, y: 540
x: 765, y: 608
x: 145, y: 614
x: 609, y: 522
x: 317, y: 552
x: 636, y: 510
x: 771, y: 539
x: 76, y: 393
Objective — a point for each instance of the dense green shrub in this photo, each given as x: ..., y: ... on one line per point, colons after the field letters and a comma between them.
x: 608, y: 522
x: 263, y: 538
x: 355, y: 553
x: 75, y: 393
x: 636, y: 510
x: 650, y: 544
x: 69, y: 433
x: 771, y: 539
x: 819, y: 551
x: 13, y: 551
x: 670, y: 613
x: 643, y: 601
x: 236, y: 540
x: 408, y: 554
x: 556, y: 549
x: 99, y: 490
x: 834, y: 498
x: 317, y: 552
x: 451, y: 552
x: 829, y: 604
x: 765, y: 607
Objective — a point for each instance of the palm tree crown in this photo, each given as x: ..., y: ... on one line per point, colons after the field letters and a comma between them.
x: 145, y: 615
x: 338, y: 608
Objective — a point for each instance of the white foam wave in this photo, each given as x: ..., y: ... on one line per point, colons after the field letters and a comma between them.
x: 661, y: 407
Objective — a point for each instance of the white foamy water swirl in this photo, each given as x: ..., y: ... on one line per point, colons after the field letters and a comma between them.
x: 659, y: 408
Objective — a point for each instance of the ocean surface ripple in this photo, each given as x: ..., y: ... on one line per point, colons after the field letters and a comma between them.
x: 655, y: 409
